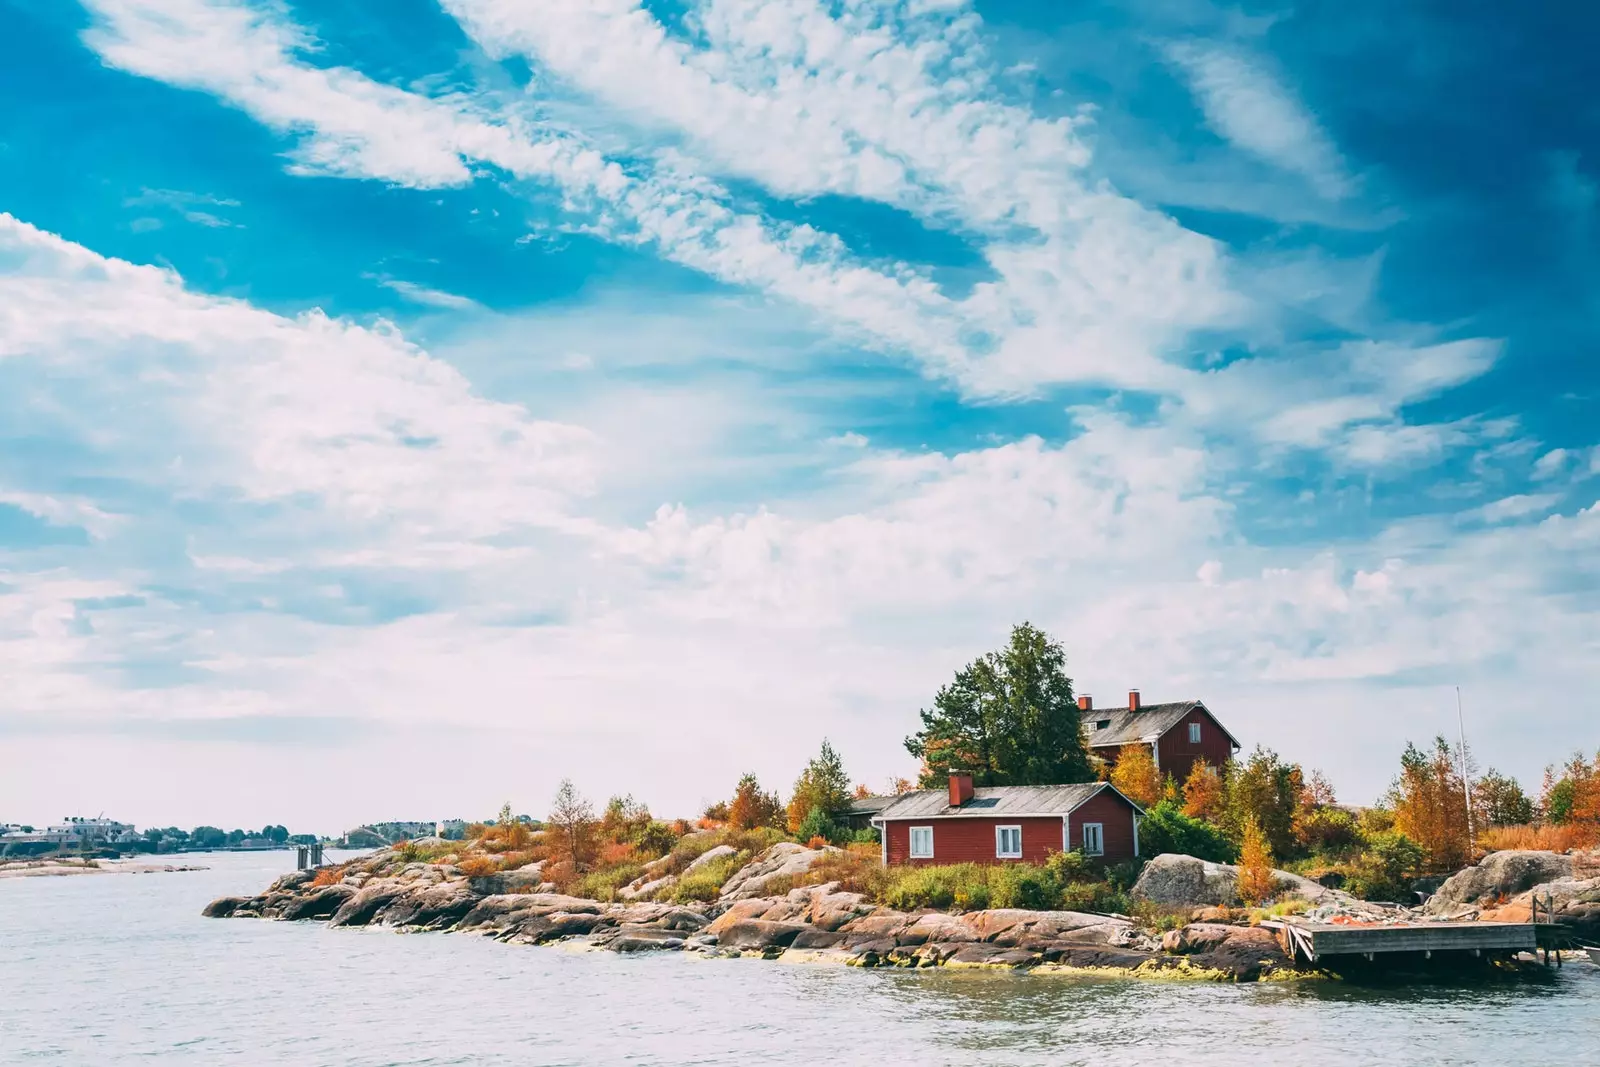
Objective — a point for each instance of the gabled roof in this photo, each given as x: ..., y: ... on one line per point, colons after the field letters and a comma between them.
x: 1125, y: 726
x: 998, y: 801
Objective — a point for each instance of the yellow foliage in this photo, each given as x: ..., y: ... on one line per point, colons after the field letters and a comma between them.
x: 1256, y: 884
x: 1137, y: 776
x: 1202, y: 793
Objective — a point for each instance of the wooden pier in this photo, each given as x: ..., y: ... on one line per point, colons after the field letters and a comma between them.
x: 1319, y: 943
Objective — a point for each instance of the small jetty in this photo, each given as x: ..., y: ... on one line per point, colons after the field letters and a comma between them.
x: 1329, y: 944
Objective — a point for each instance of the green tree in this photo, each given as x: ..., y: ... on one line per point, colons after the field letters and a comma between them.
x: 823, y: 786
x: 752, y: 807
x: 1268, y: 789
x: 1499, y: 800
x: 1008, y: 717
x: 1166, y: 829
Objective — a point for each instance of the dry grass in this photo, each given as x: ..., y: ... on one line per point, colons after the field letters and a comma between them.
x: 1539, y: 838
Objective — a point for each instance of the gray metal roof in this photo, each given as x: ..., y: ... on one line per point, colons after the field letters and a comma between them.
x: 869, y: 805
x: 990, y: 801
x: 1124, y: 726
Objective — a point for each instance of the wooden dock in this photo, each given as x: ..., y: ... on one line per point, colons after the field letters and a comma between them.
x: 1328, y: 942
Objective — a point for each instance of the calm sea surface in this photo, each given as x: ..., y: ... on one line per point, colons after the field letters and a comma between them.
x: 121, y: 969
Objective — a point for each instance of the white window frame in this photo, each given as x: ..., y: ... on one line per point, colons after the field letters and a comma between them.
x: 1099, y: 836
x: 911, y: 843
x: 999, y: 839
x: 1194, y: 733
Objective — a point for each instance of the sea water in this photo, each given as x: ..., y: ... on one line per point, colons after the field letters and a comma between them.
x: 121, y: 969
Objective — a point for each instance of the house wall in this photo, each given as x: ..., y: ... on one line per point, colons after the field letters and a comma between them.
x: 1115, y: 816
x: 1178, y: 756
x: 971, y: 840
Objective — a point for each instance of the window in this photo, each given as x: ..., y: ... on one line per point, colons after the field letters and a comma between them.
x: 1102, y: 724
x: 1008, y: 842
x: 1094, y: 839
x: 1194, y: 733
x: 922, y: 842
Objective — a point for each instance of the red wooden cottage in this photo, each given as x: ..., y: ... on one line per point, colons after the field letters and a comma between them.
x: 1180, y: 733
x: 1007, y: 823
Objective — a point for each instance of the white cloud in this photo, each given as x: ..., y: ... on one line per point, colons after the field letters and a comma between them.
x: 1246, y: 104
x: 421, y: 294
x: 542, y: 629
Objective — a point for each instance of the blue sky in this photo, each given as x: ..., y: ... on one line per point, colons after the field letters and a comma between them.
x: 422, y: 401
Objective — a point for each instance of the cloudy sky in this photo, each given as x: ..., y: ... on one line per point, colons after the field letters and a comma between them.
x: 407, y: 403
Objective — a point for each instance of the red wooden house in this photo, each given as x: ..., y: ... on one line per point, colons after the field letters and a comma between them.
x: 1180, y: 733
x: 998, y: 824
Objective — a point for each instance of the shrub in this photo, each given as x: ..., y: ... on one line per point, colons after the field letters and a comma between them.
x: 1096, y: 897
x: 817, y: 826
x: 856, y: 868
x: 327, y: 876
x: 657, y: 838
x: 1328, y: 831
x: 868, y: 835
x: 1385, y: 870
x: 1256, y: 883
x: 1166, y: 829
x: 705, y: 883
x: 1023, y: 885
x: 1155, y: 918
x: 479, y: 866
x: 1069, y: 867
x: 962, y: 885
x: 603, y: 884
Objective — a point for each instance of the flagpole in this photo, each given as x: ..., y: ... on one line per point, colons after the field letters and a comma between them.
x: 1466, y: 783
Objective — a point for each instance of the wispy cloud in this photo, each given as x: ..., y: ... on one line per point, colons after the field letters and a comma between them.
x: 1245, y: 103
x: 421, y: 294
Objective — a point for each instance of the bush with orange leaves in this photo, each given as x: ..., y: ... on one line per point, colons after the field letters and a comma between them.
x: 327, y: 876
x: 1256, y: 882
x: 479, y: 866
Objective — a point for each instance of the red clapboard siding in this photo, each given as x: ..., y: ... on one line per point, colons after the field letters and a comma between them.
x: 1113, y: 813
x: 1178, y: 756
x: 972, y: 840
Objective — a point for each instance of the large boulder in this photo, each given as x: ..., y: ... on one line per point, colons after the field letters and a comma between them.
x: 710, y: 856
x: 223, y: 907
x: 759, y: 934
x: 1499, y: 877
x: 319, y: 903
x: 1186, y: 882
x: 783, y: 860
x: 524, y: 879
x: 1247, y: 954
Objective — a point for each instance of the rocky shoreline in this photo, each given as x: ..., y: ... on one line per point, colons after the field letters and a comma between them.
x: 808, y: 924
x: 60, y: 868
x: 822, y: 923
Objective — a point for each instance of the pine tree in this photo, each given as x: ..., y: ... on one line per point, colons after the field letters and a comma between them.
x: 1008, y: 717
x: 823, y: 785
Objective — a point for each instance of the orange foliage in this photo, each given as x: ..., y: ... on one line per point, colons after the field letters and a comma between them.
x: 327, y: 876
x: 862, y: 792
x: 506, y: 837
x: 901, y: 786
x: 1202, y: 793
x: 1256, y: 884
x: 817, y: 842
x: 1539, y: 838
x: 479, y: 866
x: 1137, y: 776
x: 613, y: 853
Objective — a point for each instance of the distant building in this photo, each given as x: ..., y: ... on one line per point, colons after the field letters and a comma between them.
x: 76, y: 829
x: 450, y: 829
x: 1179, y: 734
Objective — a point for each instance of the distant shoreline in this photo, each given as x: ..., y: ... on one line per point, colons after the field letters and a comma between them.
x: 56, y: 868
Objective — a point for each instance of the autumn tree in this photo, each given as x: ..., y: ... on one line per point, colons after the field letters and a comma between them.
x: 823, y: 786
x: 1498, y: 800
x: 899, y: 787
x: 862, y: 792
x: 1430, y: 804
x: 1136, y: 775
x: 572, y: 826
x: 1572, y: 798
x: 1202, y: 792
x: 1268, y: 789
x: 624, y: 819
x: 751, y: 807
x: 1256, y: 882
x: 1008, y: 717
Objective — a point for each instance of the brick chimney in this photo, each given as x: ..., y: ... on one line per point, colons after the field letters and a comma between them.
x: 960, y: 788
x: 1086, y: 703
x: 1133, y: 700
